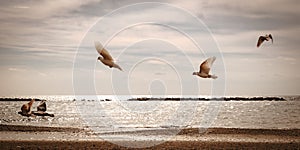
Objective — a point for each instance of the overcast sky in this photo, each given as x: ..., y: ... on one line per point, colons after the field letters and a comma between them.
x: 47, y: 47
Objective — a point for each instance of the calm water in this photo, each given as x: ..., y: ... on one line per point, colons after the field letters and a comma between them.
x: 135, y: 115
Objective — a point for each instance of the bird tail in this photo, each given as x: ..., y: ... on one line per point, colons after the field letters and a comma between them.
x: 117, y: 66
x: 213, y: 76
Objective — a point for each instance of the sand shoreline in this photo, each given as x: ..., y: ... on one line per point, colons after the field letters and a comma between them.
x: 30, y: 128
x: 184, y: 131
x: 189, y: 138
x: 164, y: 145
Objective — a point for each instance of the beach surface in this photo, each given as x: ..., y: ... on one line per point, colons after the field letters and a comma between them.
x: 33, y: 137
x: 89, y: 123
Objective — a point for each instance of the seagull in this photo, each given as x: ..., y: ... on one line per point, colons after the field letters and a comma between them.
x: 261, y: 39
x: 106, y: 58
x: 42, y: 106
x: 26, y: 108
x: 205, y: 68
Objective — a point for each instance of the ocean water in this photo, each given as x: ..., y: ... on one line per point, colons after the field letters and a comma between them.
x: 118, y: 114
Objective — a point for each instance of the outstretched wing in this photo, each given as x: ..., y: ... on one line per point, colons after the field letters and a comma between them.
x: 206, y: 65
x: 261, y: 39
x: 102, y: 51
x: 271, y: 37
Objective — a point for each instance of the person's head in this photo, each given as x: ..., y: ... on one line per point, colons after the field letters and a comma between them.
x: 31, y: 101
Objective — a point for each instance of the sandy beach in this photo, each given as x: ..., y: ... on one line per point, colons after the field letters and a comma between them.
x: 32, y: 137
x: 238, y: 125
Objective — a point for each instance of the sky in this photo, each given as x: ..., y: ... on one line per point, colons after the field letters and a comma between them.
x: 47, y: 47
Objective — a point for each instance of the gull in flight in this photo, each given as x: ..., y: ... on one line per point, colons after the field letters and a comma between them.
x: 205, y: 68
x: 26, y: 108
x: 106, y: 58
x: 42, y: 106
x: 261, y: 39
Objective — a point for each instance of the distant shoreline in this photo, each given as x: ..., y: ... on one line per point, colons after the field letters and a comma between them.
x: 268, y: 98
x: 19, y: 99
x: 211, y: 99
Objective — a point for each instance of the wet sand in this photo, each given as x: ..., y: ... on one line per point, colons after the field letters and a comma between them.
x: 32, y: 137
x: 165, y: 145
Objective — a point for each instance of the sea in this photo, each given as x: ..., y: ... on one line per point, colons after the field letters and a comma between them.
x: 104, y: 113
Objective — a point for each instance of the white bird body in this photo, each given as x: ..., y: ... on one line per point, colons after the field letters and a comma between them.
x: 106, y: 58
x: 205, y: 68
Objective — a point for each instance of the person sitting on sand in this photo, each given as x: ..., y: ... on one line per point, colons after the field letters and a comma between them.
x: 26, y: 108
x: 42, y: 106
x: 41, y: 109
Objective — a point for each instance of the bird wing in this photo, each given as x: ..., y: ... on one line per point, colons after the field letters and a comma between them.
x: 105, y: 54
x: 102, y: 51
x: 206, y: 65
x: 271, y: 37
x: 260, y: 40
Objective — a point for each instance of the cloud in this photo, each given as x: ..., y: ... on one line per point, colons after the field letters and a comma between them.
x: 16, y: 69
x: 41, y: 31
x: 42, y: 36
x: 160, y: 73
x: 21, y: 7
x: 256, y: 7
x: 42, y: 9
x: 233, y: 16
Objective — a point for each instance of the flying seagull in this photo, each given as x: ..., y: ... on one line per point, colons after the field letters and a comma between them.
x: 205, y: 68
x: 261, y: 39
x: 26, y: 108
x: 42, y: 106
x: 106, y: 58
